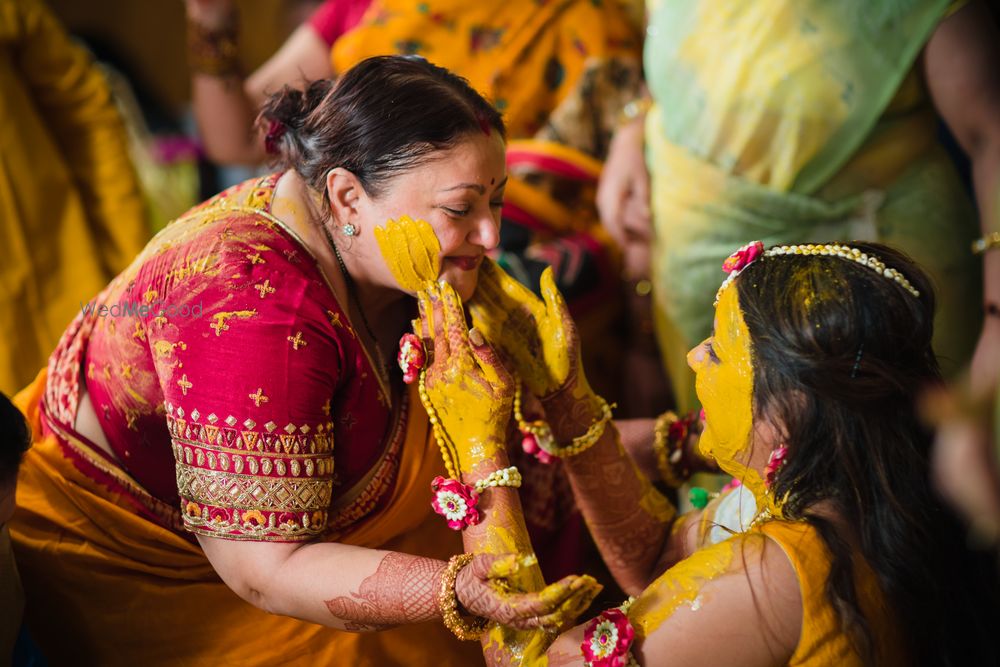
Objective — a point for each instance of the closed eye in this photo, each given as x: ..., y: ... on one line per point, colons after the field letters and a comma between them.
x: 711, y: 353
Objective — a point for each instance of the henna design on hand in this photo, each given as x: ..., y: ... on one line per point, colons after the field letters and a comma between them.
x: 403, y: 590
x: 627, y: 517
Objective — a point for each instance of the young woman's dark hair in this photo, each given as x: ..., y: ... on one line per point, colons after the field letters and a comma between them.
x: 841, y: 354
x: 383, y: 116
x: 14, y: 439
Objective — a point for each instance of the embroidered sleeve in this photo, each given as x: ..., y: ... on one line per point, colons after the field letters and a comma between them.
x: 247, y: 385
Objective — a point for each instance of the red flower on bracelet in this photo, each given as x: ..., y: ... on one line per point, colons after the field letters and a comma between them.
x: 740, y: 259
x: 536, y: 439
x: 456, y: 502
x: 607, y: 640
x: 412, y: 357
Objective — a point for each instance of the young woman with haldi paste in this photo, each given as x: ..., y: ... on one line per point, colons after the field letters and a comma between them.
x: 215, y: 479
x: 844, y: 557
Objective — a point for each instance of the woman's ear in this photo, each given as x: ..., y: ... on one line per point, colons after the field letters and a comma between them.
x: 344, y: 194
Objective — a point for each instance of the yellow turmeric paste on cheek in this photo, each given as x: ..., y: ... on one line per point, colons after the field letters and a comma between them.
x: 725, y: 389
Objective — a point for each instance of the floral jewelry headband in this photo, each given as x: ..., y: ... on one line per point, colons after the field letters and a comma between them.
x: 749, y: 253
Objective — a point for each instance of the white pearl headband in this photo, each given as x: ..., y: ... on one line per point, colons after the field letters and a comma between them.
x: 746, y: 255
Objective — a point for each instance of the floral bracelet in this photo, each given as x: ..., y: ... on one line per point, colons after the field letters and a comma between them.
x: 608, y: 638
x: 457, y: 502
x: 537, y: 438
x: 670, y: 434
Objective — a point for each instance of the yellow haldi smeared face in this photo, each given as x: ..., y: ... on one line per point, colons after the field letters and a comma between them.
x: 723, y: 366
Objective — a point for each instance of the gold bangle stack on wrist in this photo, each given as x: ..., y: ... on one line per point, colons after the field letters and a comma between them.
x: 213, y: 51
x: 987, y: 242
x: 448, y: 602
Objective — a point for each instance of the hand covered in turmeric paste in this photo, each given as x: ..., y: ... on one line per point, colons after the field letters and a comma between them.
x: 486, y: 588
x: 411, y: 251
x: 538, y: 336
x: 471, y: 392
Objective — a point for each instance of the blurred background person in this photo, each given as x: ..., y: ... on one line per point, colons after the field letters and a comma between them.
x: 813, y: 121
x: 71, y: 208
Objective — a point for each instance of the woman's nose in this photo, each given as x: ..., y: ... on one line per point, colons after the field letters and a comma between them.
x: 696, y: 357
x: 486, y: 232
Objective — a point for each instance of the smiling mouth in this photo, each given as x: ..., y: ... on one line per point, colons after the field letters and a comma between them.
x: 467, y: 263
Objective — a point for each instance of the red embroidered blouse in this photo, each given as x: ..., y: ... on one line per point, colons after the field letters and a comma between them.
x: 229, y: 382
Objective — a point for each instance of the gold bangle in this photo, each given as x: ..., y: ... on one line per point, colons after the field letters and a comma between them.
x: 213, y: 51
x: 987, y: 242
x: 448, y: 602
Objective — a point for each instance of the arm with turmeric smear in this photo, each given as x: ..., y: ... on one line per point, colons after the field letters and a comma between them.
x: 468, y: 394
x: 630, y: 521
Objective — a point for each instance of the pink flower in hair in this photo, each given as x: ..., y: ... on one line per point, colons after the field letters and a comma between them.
x: 774, y: 463
x: 743, y: 257
x: 275, y: 131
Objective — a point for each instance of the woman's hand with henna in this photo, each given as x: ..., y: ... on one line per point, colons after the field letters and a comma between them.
x: 484, y: 588
x: 470, y: 390
x: 538, y: 337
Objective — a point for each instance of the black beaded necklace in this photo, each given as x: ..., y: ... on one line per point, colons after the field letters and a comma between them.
x: 352, y: 293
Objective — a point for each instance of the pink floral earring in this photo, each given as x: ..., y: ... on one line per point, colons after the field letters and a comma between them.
x: 774, y: 463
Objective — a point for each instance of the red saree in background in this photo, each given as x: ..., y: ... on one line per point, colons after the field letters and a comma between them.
x: 258, y: 418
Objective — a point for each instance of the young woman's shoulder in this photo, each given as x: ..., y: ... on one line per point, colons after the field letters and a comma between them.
x: 745, y: 588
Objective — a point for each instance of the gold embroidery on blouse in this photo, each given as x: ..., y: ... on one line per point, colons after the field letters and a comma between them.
x: 184, y: 384
x: 255, y: 258
x: 224, y: 477
x: 297, y: 341
x: 264, y: 288
x: 220, y: 319
x: 258, y: 397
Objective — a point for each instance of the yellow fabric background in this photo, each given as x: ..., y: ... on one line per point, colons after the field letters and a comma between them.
x: 71, y: 210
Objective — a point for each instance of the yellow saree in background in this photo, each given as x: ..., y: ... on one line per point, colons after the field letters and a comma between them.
x: 794, y: 121
x: 71, y: 210
x: 123, y: 566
